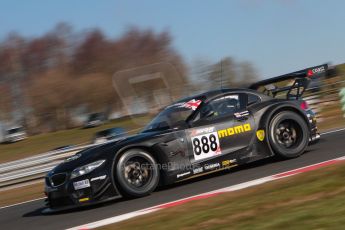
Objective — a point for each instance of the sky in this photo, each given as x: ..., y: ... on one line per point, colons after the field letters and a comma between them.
x: 277, y: 36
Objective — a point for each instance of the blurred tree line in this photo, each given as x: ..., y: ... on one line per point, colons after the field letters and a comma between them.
x: 43, y: 79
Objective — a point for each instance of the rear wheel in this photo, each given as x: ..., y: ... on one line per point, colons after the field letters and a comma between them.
x: 137, y: 173
x: 288, y: 134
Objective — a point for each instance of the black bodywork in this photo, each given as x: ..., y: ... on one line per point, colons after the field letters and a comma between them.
x: 109, y: 134
x: 239, y: 137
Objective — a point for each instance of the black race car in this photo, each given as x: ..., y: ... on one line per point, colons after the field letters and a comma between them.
x: 197, y: 135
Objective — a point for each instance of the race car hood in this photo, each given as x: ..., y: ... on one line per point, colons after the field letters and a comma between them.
x: 105, y: 151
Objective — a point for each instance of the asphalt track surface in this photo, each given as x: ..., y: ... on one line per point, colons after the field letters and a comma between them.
x: 28, y: 215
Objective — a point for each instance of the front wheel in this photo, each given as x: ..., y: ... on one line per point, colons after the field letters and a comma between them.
x: 137, y: 173
x: 288, y: 134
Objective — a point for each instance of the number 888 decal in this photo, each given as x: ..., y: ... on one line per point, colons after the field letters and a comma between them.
x: 205, y: 146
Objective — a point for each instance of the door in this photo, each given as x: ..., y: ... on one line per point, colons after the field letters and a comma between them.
x: 222, y: 127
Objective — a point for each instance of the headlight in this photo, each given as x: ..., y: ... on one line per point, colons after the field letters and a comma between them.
x: 86, y: 169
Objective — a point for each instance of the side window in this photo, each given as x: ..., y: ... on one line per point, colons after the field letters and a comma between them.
x: 252, y: 99
x: 221, y: 106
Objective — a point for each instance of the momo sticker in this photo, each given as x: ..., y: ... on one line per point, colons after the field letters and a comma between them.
x: 234, y: 130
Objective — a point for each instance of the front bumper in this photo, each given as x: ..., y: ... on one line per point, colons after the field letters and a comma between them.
x: 65, y: 196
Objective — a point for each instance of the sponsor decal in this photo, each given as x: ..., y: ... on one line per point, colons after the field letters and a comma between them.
x: 182, y: 174
x: 81, y: 184
x: 234, y: 130
x: 202, y: 131
x: 260, y: 134
x: 211, y: 166
x: 227, y: 163
x: 192, y: 104
x: 84, y: 199
x: 242, y: 114
x: 198, y: 170
x: 311, y: 72
x: 99, y: 178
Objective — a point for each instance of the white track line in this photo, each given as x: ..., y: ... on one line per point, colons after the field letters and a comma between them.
x: 333, y: 131
x: 248, y: 184
x: 8, y: 206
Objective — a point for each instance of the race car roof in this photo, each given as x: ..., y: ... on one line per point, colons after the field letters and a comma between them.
x: 213, y: 93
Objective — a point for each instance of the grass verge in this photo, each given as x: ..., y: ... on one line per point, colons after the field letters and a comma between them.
x: 21, y: 194
x: 313, y: 200
x: 46, y: 142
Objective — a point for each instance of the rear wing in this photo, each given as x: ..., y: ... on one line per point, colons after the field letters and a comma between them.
x: 294, y: 84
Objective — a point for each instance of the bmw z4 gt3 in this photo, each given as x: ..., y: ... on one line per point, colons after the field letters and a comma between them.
x: 196, y: 135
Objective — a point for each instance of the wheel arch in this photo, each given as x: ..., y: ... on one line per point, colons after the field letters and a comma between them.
x: 270, y: 112
x: 146, y: 148
x: 277, y: 109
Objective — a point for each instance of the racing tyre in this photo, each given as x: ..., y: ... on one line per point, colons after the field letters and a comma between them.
x: 288, y: 134
x: 137, y: 173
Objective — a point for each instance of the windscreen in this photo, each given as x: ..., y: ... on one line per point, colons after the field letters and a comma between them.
x: 173, y: 115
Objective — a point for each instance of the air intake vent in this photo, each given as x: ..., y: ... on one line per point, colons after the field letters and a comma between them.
x: 58, y: 179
